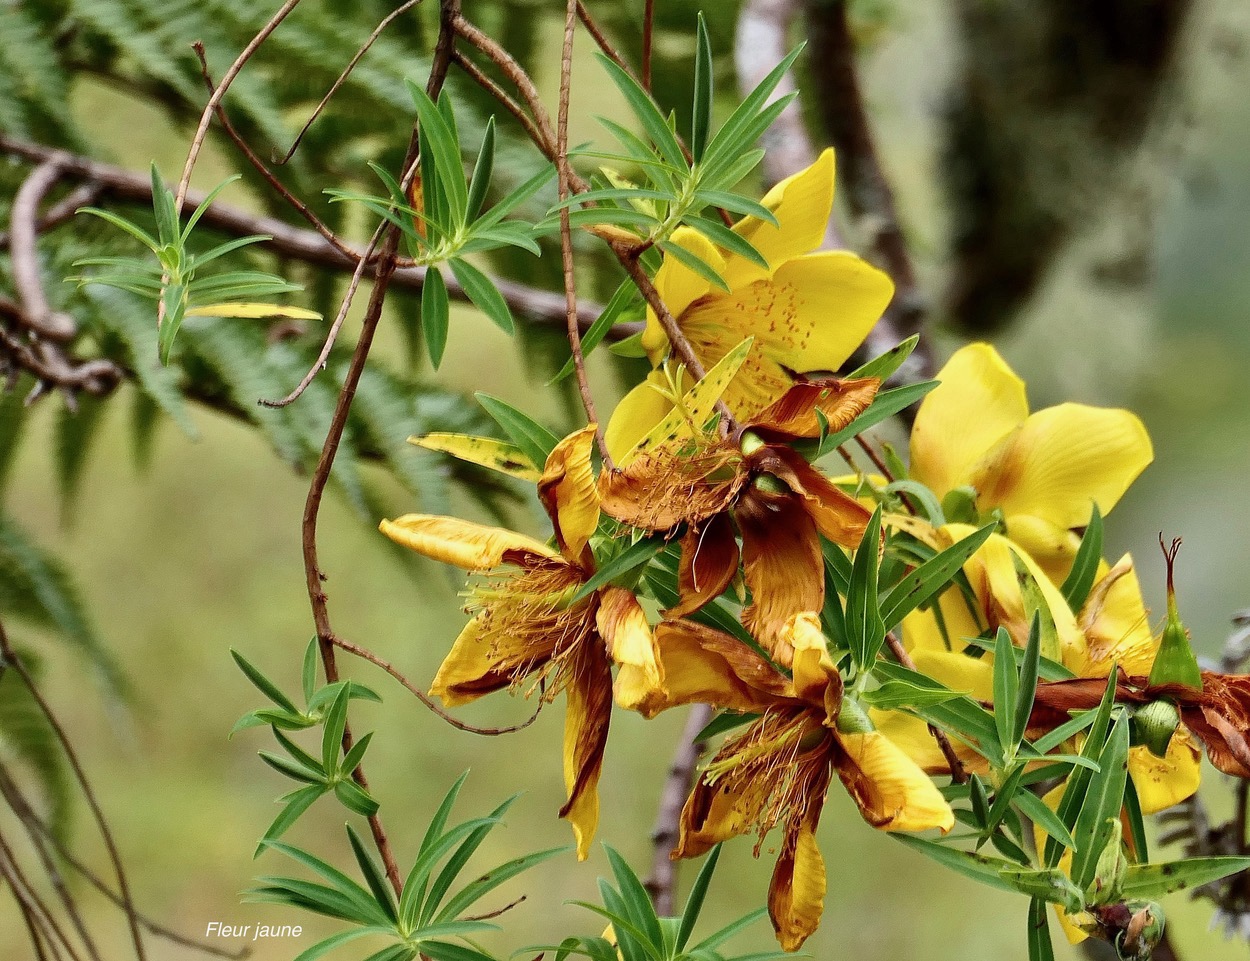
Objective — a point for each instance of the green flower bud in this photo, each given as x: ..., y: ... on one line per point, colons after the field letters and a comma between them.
x: 1154, y: 724
x: 1138, y: 941
x: 1112, y: 868
x: 770, y: 484
x: 751, y: 442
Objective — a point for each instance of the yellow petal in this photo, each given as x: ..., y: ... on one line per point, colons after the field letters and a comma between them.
x: 813, y: 668
x: 922, y: 632
x: 1164, y: 781
x: 679, y: 286
x: 474, y: 547
x: 589, y: 708
x: 1117, y: 625
x: 979, y: 400
x: 488, y: 452
x: 637, y: 413
x: 470, y: 669
x: 810, y: 316
x: 796, y: 896
x: 892, y: 792
x: 701, y: 664
x: 631, y: 644
x: 802, y: 204
x: 569, y: 492
x: 253, y: 311
x: 1062, y: 461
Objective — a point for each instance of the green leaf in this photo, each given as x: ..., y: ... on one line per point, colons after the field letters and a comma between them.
x: 308, y: 676
x: 1036, y: 810
x: 725, y: 238
x: 980, y: 867
x: 925, y: 581
x: 263, y: 684
x: 174, y: 297
x: 435, y: 314
x: 438, y: 138
x: 326, y: 945
x: 293, y: 769
x: 514, y: 200
x: 695, y: 263
x: 484, y: 294
x: 1103, y: 800
x: 296, y: 803
x: 1047, y: 884
x: 1078, y: 780
x: 207, y: 202
x: 714, y: 941
x: 885, y: 366
x: 1040, y: 947
x: 643, y: 107
x: 360, y: 899
x: 635, y: 896
x: 1080, y: 579
x: 482, y: 171
x: 901, y: 695
x: 1136, y: 823
x: 522, y: 430
x: 373, y: 875
x: 1028, y: 681
x: 455, y: 864
x: 351, y: 760
x: 335, y: 723
x: 417, y: 882
x: 1149, y: 881
x: 698, y: 891
x: 734, y: 138
x: 704, y: 81
x: 865, y: 629
x: 626, y: 296
x: 722, y: 723
x: 470, y: 894
x: 630, y: 559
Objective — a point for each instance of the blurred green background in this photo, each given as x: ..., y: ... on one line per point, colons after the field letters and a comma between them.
x: 199, y: 552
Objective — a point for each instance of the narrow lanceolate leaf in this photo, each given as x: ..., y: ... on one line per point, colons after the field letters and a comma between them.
x: 865, y: 629
x: 697, y: 403
x: 535, y: 440
x: 435, y: 315
x: 1101, y: 811
x: 929, y: 578
x: 332, y: 737
x: 263, y: 684
x: 980, y: 867
x: 1080, y: 579
x: 1040, y: 947
x: 484, y: 295
x: 294, y: 805
x: 1027, y: 690
x: 1048, y: 884
x: 482, y: 171
x: 456, y: 862
x: 884, y: 367
x: 648, y: 114
x: 703, y: 92
x: 378, y: 885
x: 698, y: 891
x: 624, y: 297
x: 1078, y: 781
x: 628, y: 560
x: 489, y: 452
x: 440, y: 139
x: 1149, y: 881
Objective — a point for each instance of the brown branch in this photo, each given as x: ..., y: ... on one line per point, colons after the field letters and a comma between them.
x: 123, y: 886
x: 342, y: 77
x: 449, y: 11
x: 474, y: 73
x: 38, y: 315
x: 566, y: 228
x: 648, y: 38
x: 958, y: 774
x: 663, y: 879
x: 32, y: 905
x: 379, y: 661
x: 61, y: 211
x: 294, y: 243
x: 49, y: 364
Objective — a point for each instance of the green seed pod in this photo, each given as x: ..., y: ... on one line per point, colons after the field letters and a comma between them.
x: 853, y: 719
x: 960, y: 505
x: 751, y: 442
x: 1154, y: 724
x: 1175, y: 663
x: 770, y: 484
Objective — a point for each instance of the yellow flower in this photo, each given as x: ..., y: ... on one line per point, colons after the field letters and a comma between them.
x: 760, y: 489
x: 778, y: 770
x: 1112, y: 627
x: 808, y: 311
x: 527, y: 627
x: 1043, y: 471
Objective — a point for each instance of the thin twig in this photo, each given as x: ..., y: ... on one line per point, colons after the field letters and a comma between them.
x: 566, y: 228
x: 449, y: 11
x: 474, y: 73
x: 342, y: 78
x: 22, y: 810
x: 206, y: 117
x: 254, y: 159
x: 648, y: 37
x: 958, y: 774
x: 39, y: 316
x: 379, y: 661
x: 11, y: 871
x: 123, y: 886
x: 61, y: 211
x: 664, y: 835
